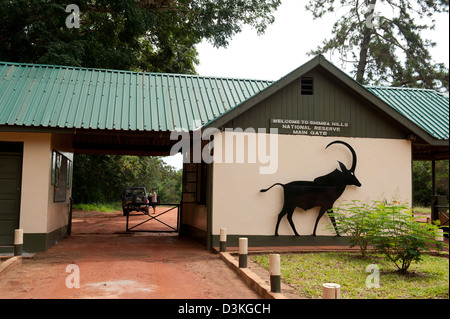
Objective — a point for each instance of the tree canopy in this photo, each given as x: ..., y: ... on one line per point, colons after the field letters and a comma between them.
x: 382, y: 40
x: 146, y: 35
x: 140, y: 35
x: 102, y: 178
x: 422, y: 179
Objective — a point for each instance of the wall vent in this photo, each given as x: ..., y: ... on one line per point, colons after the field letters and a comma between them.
x: 307, y: 86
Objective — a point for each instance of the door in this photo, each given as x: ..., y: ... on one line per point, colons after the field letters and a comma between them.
x: 10, y: 189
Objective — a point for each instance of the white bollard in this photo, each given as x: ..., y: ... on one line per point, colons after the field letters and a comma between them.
x: 439, y: 238
x: 275, y: 273
x: 243, y: 252
x: 331, y: 291
x: 18, y: 242
x: 439, y: 235
x: 223, y: 239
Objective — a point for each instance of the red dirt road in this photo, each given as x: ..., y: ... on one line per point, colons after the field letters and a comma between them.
x: 84, y: 222
x: 112, y: 264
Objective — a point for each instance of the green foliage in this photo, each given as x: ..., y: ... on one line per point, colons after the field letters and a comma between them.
x: 422, y: 177
x: 399, y: 237
x: 387, y: 49
x: 100, y: 207
x: 102, y: 178
x: 355, y: 220
x: 389, y: 227
x: 147, y: 35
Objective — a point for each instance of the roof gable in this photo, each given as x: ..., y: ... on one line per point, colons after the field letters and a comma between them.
x: 385, y: 106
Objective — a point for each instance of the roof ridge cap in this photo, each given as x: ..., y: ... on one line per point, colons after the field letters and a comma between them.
x: 398, y: 88
x: 55, y: 66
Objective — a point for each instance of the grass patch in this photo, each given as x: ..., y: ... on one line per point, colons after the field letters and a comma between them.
x: 422, y: 210
x: 307, y: 272
x: 100, y: 207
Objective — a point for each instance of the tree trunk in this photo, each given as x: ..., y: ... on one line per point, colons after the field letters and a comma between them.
x: 363, y: 53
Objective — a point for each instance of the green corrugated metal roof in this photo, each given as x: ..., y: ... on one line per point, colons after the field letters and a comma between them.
x: 426, y: 108
x: 70, y: 97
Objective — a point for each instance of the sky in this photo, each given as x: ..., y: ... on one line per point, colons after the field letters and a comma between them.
x: 284, y: 47
x: 285, y: 44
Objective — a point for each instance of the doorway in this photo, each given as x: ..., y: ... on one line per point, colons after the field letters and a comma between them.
x: 10, y: 190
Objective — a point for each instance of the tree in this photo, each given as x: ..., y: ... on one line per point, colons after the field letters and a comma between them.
x: 385, y: 48
x: 147, y: 35
x: 422, y: 179
x: 141, y: 35
x: 102, y: 178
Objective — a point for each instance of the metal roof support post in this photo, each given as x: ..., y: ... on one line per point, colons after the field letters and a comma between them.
x: 433, y: 176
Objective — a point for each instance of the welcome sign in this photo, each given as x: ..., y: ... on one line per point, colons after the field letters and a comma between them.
x: 311, y: 127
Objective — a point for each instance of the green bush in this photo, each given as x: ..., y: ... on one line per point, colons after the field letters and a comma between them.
x: 355, y: 220
x: 389, y: 227
x: 399, y: 237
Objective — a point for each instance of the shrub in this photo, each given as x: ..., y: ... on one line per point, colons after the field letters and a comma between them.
x: 399, y: 237
x: 389, y: 227
x: 355, y: 220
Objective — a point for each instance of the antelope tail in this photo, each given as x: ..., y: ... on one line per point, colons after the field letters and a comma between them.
x: 265, y: 190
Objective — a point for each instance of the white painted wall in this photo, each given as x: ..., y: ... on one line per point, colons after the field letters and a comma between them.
x: 35, y: 179
x: 58, y: 212
x: 383, y: 168
x: 38, y: 212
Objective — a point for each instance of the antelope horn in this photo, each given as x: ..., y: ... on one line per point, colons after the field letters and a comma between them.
x: 352, y: 169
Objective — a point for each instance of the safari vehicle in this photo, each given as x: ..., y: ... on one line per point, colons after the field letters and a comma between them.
x: 134, y: 199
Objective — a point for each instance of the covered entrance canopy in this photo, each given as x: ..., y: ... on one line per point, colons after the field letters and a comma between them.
x: 78, y: 110
x: 110, y: 111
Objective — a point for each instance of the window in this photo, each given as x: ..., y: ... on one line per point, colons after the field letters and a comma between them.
x: 61, y: 176
x: 189, y: 182
x: 307, y: 86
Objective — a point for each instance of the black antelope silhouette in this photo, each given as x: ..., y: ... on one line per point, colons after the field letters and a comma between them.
x: 322, y: 192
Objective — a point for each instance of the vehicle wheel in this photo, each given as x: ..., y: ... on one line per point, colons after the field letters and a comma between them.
x: 146, y: 210
x: 125, y: 212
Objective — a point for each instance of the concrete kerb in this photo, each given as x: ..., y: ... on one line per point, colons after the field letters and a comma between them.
x: 10, y: 264
x: 252, y: 280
